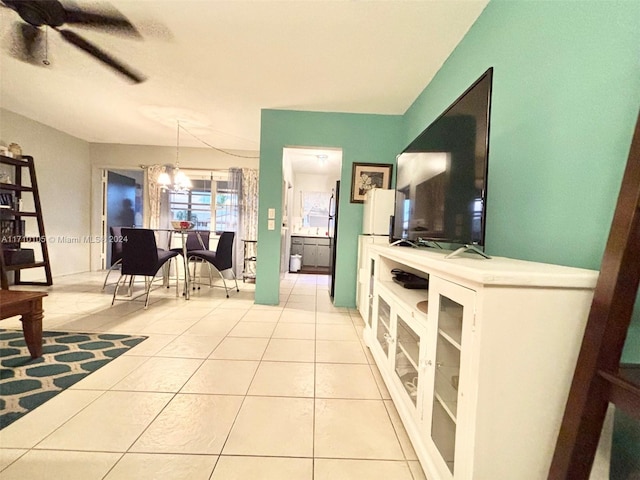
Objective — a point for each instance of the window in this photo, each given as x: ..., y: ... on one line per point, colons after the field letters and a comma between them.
x: 316, y: 209
x: 196, y: 206
x: 226, y: 212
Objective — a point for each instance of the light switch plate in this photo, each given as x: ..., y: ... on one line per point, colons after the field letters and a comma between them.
x: 271, y: 224
x: 272, y: 214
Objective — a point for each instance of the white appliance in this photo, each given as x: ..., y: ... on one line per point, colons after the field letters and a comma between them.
x: 378, y: 208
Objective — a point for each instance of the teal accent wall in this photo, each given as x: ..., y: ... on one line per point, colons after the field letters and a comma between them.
x: 566, y: 92
x: 362, y: 138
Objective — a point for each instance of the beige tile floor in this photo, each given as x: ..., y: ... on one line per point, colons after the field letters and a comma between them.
x: 222, y: 389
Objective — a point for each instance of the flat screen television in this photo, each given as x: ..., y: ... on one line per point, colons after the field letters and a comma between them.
x: 441, y: 177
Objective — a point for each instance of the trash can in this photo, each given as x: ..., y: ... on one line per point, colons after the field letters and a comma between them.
x: 295, y: 263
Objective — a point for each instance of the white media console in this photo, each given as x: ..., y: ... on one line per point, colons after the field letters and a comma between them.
x: 479, y: 365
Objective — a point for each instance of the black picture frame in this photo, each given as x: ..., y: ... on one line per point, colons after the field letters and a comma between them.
x: 365, y: 176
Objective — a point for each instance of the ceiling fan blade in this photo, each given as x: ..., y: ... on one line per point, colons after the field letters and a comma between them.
x: 27, y: 44
x: 112, y: 22
x: 104, y: 57
x: 31, y: 37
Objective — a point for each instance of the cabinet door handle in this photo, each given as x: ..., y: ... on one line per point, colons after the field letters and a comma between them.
x: 388, y: 338
x: 429, y: 362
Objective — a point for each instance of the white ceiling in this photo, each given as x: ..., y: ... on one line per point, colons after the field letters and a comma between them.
x: 214, y: 65
x: 314, y: 161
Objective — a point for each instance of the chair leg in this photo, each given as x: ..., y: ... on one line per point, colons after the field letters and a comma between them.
x: 115, y: 291
x: 235, y: 279
x: 130, y: 292
x: 224, y: 282
x: 109, y: 270
x: 105, y: 279
x: 194, y: 277
x: 147, y: 284
x: 177, y: 280
x: 165, y: 275
x: 211, y: 274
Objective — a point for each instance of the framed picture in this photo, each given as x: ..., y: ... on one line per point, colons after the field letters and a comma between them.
x: 366, y: 176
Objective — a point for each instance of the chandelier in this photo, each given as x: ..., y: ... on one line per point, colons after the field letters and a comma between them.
x: 178, y: 181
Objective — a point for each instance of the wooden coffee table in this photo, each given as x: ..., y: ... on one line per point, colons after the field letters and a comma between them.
x: 29, y: 306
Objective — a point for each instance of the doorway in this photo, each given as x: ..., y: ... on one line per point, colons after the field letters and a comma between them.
x: 123, y: 202
x: 309, y: 231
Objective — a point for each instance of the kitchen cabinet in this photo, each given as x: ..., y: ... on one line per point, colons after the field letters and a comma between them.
x: 315, y: 251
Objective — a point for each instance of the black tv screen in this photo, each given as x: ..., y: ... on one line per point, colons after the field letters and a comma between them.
x: 441, y: 185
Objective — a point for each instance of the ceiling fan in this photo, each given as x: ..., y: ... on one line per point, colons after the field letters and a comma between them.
x: 53, y: 14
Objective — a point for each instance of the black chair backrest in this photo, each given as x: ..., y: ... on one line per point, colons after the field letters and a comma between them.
x: 194, y: 240
x: 139, y: 252
x: 116, y: 244
x: 224, y: 251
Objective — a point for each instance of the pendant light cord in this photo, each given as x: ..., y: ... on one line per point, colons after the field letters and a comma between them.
x: 216, y: 148
x: 178, y: 145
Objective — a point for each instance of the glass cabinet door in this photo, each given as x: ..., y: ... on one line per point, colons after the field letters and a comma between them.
x: 454, y: 314
x: 407, y: 357
x: 371, y: 271
x: 383, y: 324
x: 447, y: 376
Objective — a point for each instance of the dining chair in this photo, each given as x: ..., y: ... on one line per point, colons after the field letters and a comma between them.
x: 116, y: 251
x: 221, y: 260
x: 196, y: 240
x: 141, y: 257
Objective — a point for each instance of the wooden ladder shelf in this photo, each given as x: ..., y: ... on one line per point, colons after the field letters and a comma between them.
x: 599, y: 377
x: 14, y: 236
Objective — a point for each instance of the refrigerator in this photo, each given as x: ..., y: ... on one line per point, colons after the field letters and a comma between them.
x: 379, y: 204
x: 332, y: 228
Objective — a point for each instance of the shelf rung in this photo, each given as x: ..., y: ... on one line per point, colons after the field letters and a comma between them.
x: 12, y: 268
x: 623, y: 393
x: 16, y: 162
x: 14, y: 187
x: 16, y: 213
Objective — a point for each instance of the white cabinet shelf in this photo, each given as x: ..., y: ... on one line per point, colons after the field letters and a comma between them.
x: 446, y: 406
x: 410, y: 297
x: 480, y: 380
x: 445, y: 393
x: 450, y: 329
x: 453, y: 337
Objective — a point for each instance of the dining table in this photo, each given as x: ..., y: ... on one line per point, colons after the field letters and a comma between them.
x: 183, y: 232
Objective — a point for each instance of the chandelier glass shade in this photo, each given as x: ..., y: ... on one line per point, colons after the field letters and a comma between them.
x: 176, y: 181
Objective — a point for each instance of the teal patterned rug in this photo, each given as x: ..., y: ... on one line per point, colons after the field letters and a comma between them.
x: 27, y: 383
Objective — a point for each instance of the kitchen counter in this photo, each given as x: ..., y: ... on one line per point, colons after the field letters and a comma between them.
x: 310, y: 235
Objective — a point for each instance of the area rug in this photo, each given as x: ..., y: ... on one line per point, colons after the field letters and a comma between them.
x: 27, y: 383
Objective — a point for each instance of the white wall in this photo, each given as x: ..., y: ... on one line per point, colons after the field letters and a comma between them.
x: 63, y: 171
